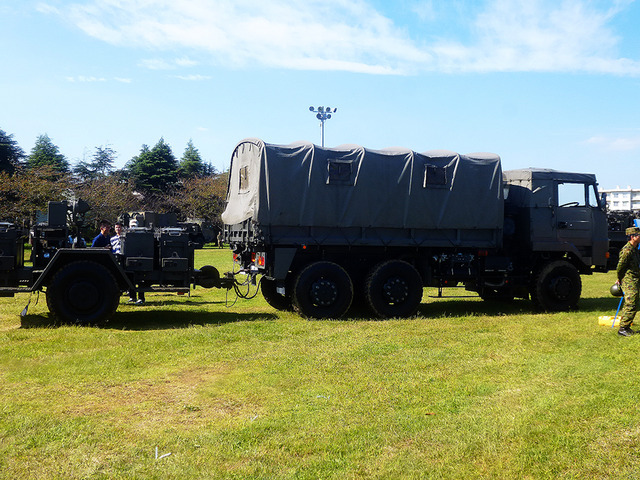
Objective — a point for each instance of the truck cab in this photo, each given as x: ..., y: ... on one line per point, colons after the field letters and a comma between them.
x: 559, y: 213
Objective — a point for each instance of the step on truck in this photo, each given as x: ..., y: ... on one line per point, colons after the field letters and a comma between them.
x: 327, y: 228
x: 84, y: 285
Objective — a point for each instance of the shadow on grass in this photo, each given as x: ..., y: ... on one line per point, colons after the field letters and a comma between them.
x: 446, y: 307
x: 155, y: 320
x: 464, y: 306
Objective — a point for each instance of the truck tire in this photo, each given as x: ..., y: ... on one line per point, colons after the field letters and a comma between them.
x: 272, y: 297
x: 83, y: 292
x: 323, y: 290
x: 556, y: 287
x: 394, y: 289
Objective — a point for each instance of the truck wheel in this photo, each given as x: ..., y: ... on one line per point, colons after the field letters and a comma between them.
x: 394, y: 289
x: 83, y: 292
x: 323, y: 290
x: 272, y: 297
x: 557, y: 287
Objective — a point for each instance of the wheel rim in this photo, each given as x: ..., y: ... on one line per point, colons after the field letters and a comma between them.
x: 395, y: 290
x: 561, y: 287
x: 323, y: 292
x: 83, y: 296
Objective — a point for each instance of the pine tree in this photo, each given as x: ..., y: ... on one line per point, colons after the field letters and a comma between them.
x: 45, y: 153
x: 154, y: 170
x: 103, y: 159
x: 10, y: 153
x: 191, y: 162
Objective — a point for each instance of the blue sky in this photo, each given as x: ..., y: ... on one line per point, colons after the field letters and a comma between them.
x: 543, y: 83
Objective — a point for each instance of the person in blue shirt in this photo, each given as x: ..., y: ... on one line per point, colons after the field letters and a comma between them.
x: 102, y: 239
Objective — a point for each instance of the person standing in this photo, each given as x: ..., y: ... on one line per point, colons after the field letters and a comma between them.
x: 102, y: 239
x: 116, y: 243
x: 116, y: 247
x: 628, y: 272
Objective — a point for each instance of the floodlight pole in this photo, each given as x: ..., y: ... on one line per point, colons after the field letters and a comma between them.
x: 323, y: 114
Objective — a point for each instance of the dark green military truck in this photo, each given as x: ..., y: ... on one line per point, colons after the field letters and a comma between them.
x: 324, y: 228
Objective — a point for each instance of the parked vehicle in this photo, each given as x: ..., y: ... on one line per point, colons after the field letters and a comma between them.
x: 327, y: 227
x: 83, y: 285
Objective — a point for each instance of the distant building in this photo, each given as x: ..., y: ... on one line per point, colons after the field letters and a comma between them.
x: 622, y: 198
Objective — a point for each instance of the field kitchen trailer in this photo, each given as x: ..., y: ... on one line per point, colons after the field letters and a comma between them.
x: 84, y: 285
x: 329, y: 227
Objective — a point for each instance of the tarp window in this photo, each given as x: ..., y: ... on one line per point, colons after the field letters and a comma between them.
x: 434, y: 176
x: 340, y: 172
x: 244, y: 179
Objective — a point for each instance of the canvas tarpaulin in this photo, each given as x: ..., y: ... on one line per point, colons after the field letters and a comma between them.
x: 303, y: 185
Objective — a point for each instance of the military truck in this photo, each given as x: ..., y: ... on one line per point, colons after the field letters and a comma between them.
x: 618, y: 222
x: 83, y: 285
x: 326, y: 228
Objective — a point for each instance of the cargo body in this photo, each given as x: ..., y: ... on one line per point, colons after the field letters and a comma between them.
x: 328, y: 228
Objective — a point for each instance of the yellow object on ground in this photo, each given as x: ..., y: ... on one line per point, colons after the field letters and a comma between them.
x: 607, y: 319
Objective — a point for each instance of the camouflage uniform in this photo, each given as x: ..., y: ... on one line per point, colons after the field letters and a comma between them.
x: 629, y: 277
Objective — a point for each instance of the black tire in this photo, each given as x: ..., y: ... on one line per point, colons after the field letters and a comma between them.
x: 557, y: 287
x: 272, y: 297
x: 83, y: 292
x: 394, y: 289
x: 323, y: 290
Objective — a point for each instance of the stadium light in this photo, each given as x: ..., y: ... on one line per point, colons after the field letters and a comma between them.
x: 323, y: 114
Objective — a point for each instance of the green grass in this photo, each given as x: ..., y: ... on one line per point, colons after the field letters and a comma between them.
x: 468, y: 389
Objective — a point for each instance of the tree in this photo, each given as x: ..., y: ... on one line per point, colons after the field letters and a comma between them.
x: 103, y: 159
x: 191, y: 162
x: 202, y: 197
x: 100, y: 166
x: 109, y: 197
x: 27, y: 191
x: 154, y: 170
x: 10, y: 153
x: 44, y: 153
x: 83, y: 171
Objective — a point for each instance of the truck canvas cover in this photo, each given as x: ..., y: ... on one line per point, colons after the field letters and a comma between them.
x: 302, y: 193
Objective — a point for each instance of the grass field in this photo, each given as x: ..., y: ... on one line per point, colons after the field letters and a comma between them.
x: 468, y: 389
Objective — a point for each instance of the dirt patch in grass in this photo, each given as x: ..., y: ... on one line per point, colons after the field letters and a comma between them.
x: 188, y: 399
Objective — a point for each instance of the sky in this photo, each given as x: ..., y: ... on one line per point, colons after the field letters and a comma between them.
x: 542, y: 83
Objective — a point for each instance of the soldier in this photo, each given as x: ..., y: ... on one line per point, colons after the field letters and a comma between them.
x: 629, y: 276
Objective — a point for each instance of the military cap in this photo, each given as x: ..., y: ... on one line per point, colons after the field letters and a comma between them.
x: 632, y: 231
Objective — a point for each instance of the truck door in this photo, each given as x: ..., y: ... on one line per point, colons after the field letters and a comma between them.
x: 579, y: 217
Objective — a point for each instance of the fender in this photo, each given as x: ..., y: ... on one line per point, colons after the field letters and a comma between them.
x: 64, y: 256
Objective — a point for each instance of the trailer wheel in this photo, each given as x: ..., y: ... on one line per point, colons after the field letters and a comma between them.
x: 272, y: 297
x: 323, y: 290
x: 83, y: 292
x: 394, y: 289
x: 557, y: 287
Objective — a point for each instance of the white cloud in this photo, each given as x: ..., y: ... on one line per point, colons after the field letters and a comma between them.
x: 156, y: 64
x: 616, y: 144
x: 91, y: 79
x: 85, y: 79
x: 351, y: 35
x: 193, y: 78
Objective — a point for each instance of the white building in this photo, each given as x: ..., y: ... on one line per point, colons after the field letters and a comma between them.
x: 622, y: 198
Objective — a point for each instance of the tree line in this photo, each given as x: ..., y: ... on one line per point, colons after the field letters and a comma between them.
x: 153, y: 180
